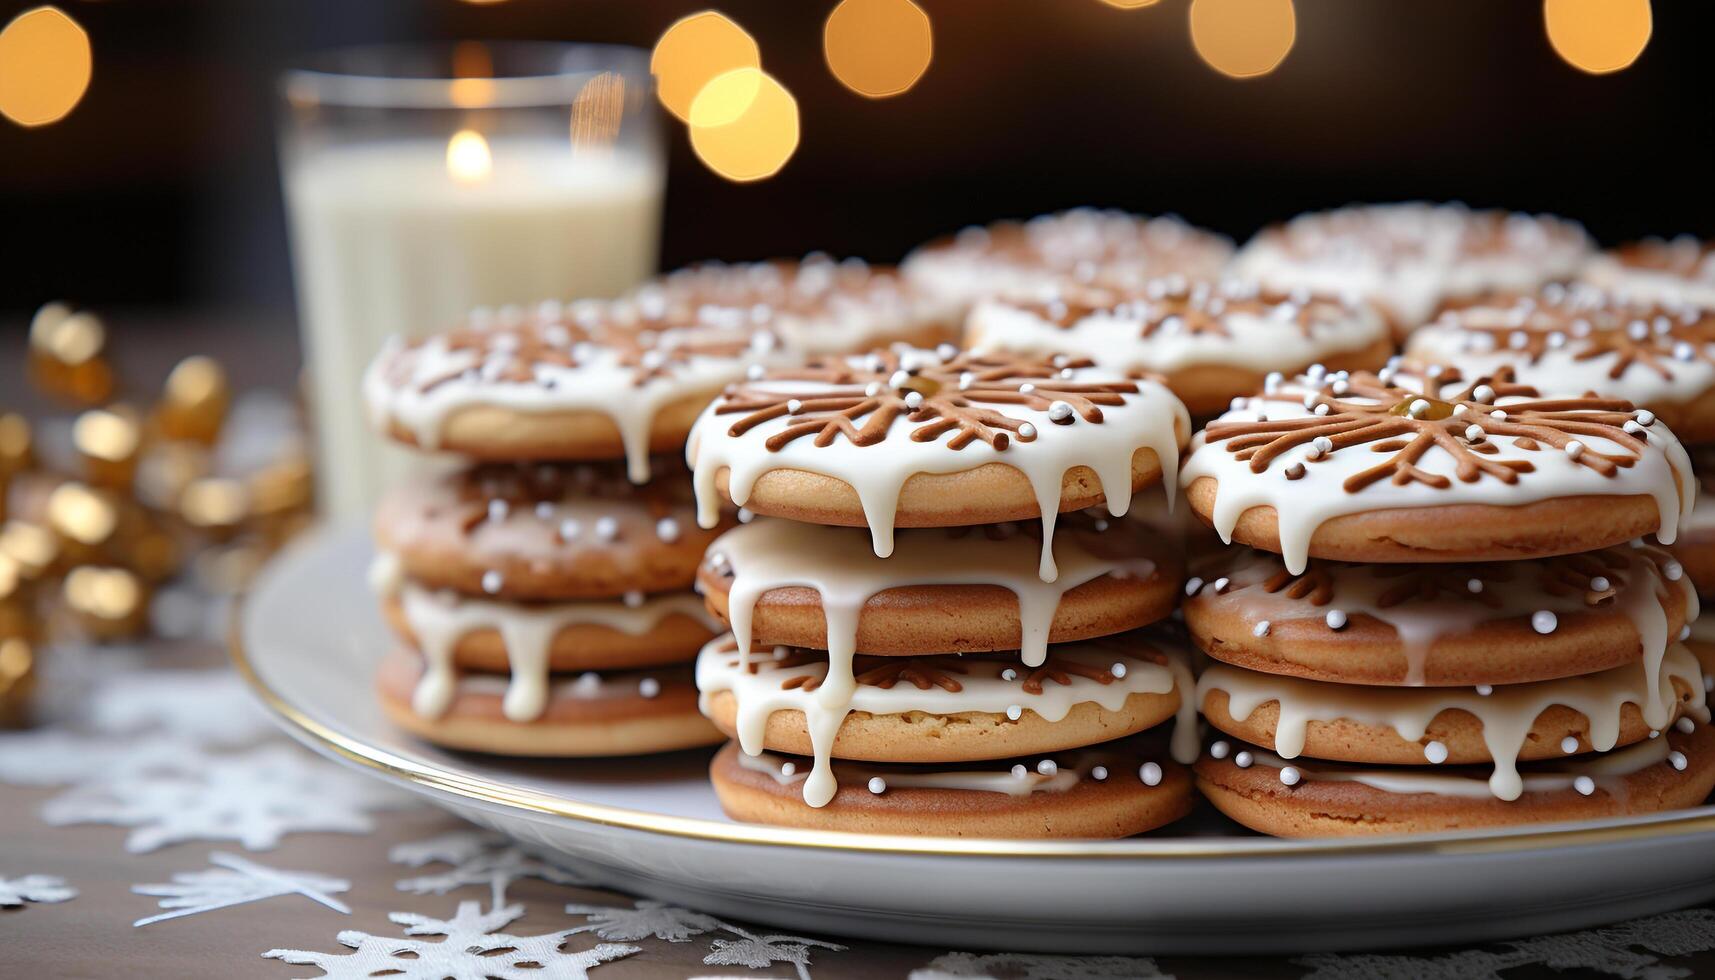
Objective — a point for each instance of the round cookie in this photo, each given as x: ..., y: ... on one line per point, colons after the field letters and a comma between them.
x: 1440, y: 625
x: 990, y: 800
x: 1210, y: 340
x: 1675, y: 271
x: 1503, y: 725
x: 543, y: 532
x: 1413, y: 258
x: 1269, y: 795
x: 1397, y: 467
x: 1083, y: 244
x: 1695, y: 545
x: 945, y: 708
x: 816, y: 306
x: 1580, y: 340
x: 968, y: 589
x: 914, y: 438
x: 629, y: 713
x: 593, y: 380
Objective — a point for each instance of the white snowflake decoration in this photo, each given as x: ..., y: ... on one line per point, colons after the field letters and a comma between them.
x: 645, y: 919
x: 253, y: 798
x: 478, y: 858
x: 208, y: 707
x: 1029, y: 966
x: 236, y: 881
x: 473, y: 949
x: 1613, y: 950
x: 56, y: 758
x: 34, y: 888
x: 760, y: 951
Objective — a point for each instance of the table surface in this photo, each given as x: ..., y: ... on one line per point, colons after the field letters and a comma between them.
x: 133, y: 732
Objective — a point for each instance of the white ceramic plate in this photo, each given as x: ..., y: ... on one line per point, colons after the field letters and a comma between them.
x: 311, y: 634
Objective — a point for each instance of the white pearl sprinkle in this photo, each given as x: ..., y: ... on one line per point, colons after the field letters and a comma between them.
x: 1673, y: 570
x: 1482, y: 393
x: 1685, y: 725
x: 1417, y: 407
x: 1014, y: 712
x: 1290, y: 775
x: 569, y: 529
x: 1118, y: 669
x: 1473, y: 433
x: 1599, y: 584
x: 794, y: 406
x: 545, y: 510
x: 1677, y: 760
x: 746, y: 515
x: 872, y: 389
x: 1684, y: 633
x: 1009, y: 674
x: 1026, y: 388
x: 1336, y: 619
x: 1060, y: 411
x: 497, y: 510
x: 1543, y: 621
x: 1574, y: 449
x: 1260, y: 629
x: 649, y: 687
x: 1645, y: 417
x: 633, y: 599
x: 1474, y: 585
x: 1584, y: 785
x: 788, y: 768
x: 877, y: 785
x: 1435, y: 752
x: 1099, y: 773
x: 1484, y: 690
x: 1243, y: 760
x: 1219, y: 750
x: 491, y: 581
x: 1019, y: 772
x: 1569, y: 744
x: 1150, y: 773
x: 899, y: 379
x: 667, y: 529
x: 1027, y: 431
x: 1047, y: 767
x: 913, y: 400
x: 1221, y: 584
x: 1193, y: 586
x: 606, y: 529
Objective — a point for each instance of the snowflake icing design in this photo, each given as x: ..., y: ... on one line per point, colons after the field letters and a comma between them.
x: 14, y: 892
x: 1380, y: 413
x: 1587, y: 325
x: 859, y: 399
x: 1175, y: 305
x: 253, y: 798
x: 477, y: 858
x: 472, y: 947
x: 235, y: 881
x: 644, y: 920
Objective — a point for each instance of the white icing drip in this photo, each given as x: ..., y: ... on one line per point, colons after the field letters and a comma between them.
x: 1149, y: 419
x: 1007, y: 783
x: 1421, y: 622
x: 1506, y: 715
x: 1607, y: 770
x: 1663, y: 472
x: 440, y: 620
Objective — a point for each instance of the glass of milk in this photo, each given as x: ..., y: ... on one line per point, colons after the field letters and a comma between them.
x: 424, y: 182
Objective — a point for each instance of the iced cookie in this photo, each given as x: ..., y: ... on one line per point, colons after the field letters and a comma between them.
x: 1695, y: 545
x: 968, y: 589
x: 1401, y: 467
x: 623, y: 713
x: 1413, y: 258
x: 531, y: 532
x: 1318, y: 799
x: 1455, y: 725
x: 945, y: 708
x: 1103, y: 792
x: 1440, y: 625
x: 1675, y: 272
x: 816, y: 306
x: 1579, y: 340
x: 1083, y: 244
x: 913, y: 438
x: 592, y: 380
x: 1210, y: 340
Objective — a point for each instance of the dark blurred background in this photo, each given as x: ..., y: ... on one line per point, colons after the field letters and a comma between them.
x: 160, y: 189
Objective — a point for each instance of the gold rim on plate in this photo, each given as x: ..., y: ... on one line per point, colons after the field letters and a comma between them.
x: 421, y: 773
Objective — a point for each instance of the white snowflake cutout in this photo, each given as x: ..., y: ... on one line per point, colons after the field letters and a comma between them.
x: 34, y: 888
x: 236, y: 881
x: 56, y: 758
x: 645, y: 919
x: 760, y: 951
x: 473, y: 947
x: 478, y: 858
x: 1029, y: 966
x: 253, y: 798
x: 209, y: 707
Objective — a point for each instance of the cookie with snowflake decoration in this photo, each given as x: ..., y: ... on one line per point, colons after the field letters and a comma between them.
x: 587, y: 714
x: 1440, y: 625
x: 816, y: 306
x: 1414, y: 258
x: 970, y: 589
x: 1105, y: 792
x: 1674, y: 272
x: 945, y: 708
x: 1456, y: 725
x: 1325, y: 799
x: 1579, y: 339
x: 539, y: 532
x: 1083, y: 245
x: 912, y: 438
x: 594, y: 380
x: 1409, y: 466
x: 1210, y: 340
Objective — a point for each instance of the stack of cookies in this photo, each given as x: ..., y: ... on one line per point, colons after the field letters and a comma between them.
x: 922, y: 642
x: 1452, y: 614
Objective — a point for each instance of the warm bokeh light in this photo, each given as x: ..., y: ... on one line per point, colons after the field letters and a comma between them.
x: 1130, y: 4
x: 695, y: 50
x: 1598, y: 36
x: 468, y: 159
x: 744, y: 125
x: 105, y: 593
x: 106, y: 435
x: 878, y: 48
x: 1243, y: 38
x: 45, y: 66
x: 598, y: 111
x: 473, y: 75
x: 81, y: 514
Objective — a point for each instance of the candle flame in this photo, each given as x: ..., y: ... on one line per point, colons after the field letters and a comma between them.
x: 468, y: 158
